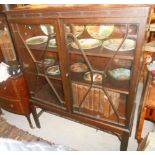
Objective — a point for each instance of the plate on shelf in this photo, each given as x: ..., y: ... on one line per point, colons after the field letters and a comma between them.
x: 100, y: 31
x: 52, y: 43
x: 49, y: 61
x: 37, y: 40
x: 79, y: 67
x: 53, y: 70
x: 96, y: 77
x: 44, y: 28
x: 113, y: 44
x: 120, y: 73
x: 77, y: 30
x: 87, y: 43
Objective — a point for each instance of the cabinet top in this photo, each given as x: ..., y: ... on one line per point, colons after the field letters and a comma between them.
x: 72, y: 7
x: 79, y: 10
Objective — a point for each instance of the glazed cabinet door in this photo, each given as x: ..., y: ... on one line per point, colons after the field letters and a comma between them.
x: 38, y: 49
x: 102, y: 66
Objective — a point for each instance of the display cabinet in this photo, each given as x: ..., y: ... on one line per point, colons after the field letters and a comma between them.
x: 82, y: 62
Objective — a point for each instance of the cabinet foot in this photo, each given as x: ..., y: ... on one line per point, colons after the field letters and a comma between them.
x: 1, y: 111
x: 29, y: 120
x: 124, y: 142
x: 35, y: 116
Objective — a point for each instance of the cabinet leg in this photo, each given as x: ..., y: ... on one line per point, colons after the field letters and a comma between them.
x: 35, y: 116
x: 1, y: 111
x: 29, y: 120
x: 124, y: 142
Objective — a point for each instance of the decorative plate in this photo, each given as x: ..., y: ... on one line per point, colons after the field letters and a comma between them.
x: 77, y: 30
x: 120, y: 73
x: 113, y: 44
x: 44, y: 28
x: 87, y: 43
x: 96, y: 77
x: 53, y: 70
x: 100, y: 31
x: 49, y: 61
x: 52, y: 43
x: 36, y: 40
x: 79, y: 67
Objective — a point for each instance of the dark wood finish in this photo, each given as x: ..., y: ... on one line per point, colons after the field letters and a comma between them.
x: 29, y: 120
x: 124, y: 142
x: 1, y: 112
x: 57, y: 97
x: 35, y: 116
x: 147, y: 107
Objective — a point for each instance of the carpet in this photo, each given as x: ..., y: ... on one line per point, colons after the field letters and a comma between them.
x: 12, y: 132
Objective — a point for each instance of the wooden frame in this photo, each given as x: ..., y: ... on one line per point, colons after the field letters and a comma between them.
x: 59, y: 16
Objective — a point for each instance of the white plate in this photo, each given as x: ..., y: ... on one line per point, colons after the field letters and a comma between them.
x: 113, y: 44
x: 96, y: 77
x: 120, y: 73
x: 49, y: 61
x: 53, y: 70
x: 100, y: 31
x: 78, y: 67
x: 77, y: 29
x: 44, y: 28
x: 36, y: 40
x: 87, y: 43
x: 52, y: 43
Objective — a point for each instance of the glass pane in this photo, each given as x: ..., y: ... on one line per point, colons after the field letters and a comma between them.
x: 39, y: 36
x: 101, y: 38
x: 41, y: 62
x: 101, y: 58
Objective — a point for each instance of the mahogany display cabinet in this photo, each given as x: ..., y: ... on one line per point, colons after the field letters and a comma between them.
x: 82, y: 62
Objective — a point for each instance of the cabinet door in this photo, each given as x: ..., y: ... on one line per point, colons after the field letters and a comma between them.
x: 38, y: 54
x: 101, y: 61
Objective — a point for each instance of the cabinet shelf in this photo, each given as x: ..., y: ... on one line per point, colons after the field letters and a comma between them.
x: 42, y: 48
x: 46, y: 95
x: 108, y: 54
x: 109, y: 84
x: 57, y: 77
x: 110, y: 119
